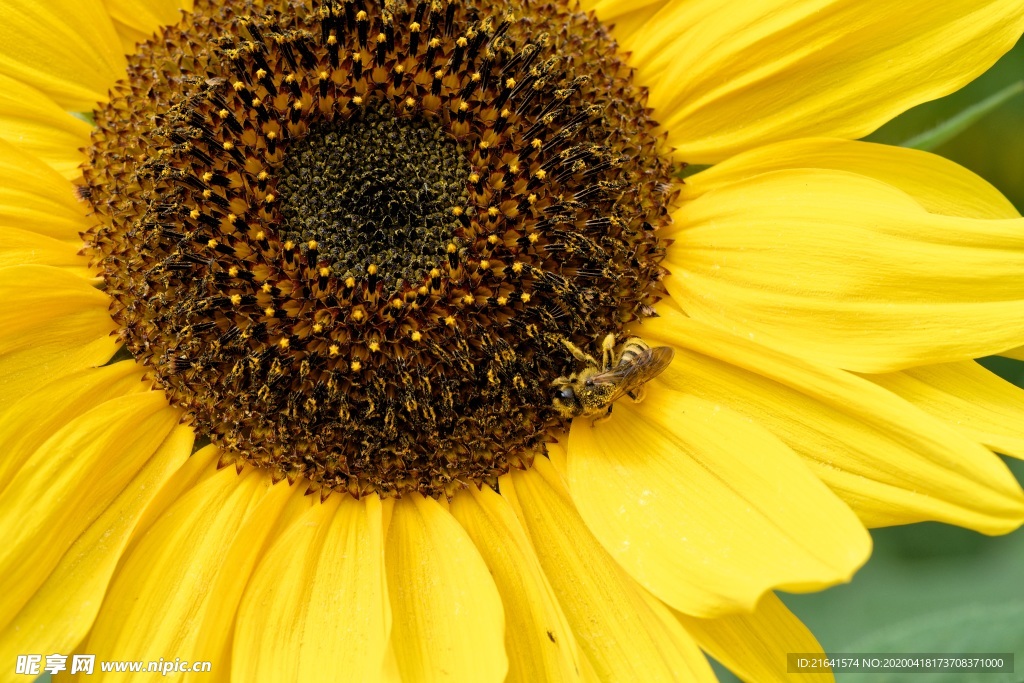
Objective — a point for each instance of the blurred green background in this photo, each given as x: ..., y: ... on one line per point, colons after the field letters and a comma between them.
x: 932, y: 587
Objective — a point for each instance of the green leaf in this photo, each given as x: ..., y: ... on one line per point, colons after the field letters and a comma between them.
x: 967, y: 629
x: 949, y: 129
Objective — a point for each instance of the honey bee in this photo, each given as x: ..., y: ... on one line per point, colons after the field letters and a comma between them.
x: 592, y: 391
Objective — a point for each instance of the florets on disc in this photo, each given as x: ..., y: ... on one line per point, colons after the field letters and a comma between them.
x: 350, y: 238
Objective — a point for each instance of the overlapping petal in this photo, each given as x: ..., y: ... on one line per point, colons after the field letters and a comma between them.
x: 647, y: 481
x: 538, y: 638
x: 66, y: 48
x: 977, y: 402
x: 318, y: 602
x: 448, y: 623
x: 179, y: 585
x: 35, y: 197
x: 843, y: 269
x: 622, y: 637
x: 889, y: 460
x: 83, y: 492
x: 54, y: 323
x: 32, y: 121
x: 729, y: 76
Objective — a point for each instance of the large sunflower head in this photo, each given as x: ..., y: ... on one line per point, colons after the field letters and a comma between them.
x: 299, y: 356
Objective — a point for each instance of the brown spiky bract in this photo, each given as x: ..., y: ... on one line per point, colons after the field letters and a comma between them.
x: 335, y: 349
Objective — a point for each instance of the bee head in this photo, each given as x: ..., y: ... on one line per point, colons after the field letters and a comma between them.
x: 564, y: 398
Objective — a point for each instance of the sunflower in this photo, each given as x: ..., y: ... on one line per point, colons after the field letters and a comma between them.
x: 287, y: 300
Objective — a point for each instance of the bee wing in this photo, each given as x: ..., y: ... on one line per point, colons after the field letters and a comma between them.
x: 628, y: 376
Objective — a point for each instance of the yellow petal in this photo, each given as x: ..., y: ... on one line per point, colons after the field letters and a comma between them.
x: 34, y: 417
x: 755, y: 645
x: 21, y: 247
x: 35, y: 197
x: 35, y: 123
x: 625, y: 17
x: 448, y: 619
x: 845, y: 270
x: 146, y: 16
x: 890, y: 461
x: 69, y: 481
x: 1017, y: 353
x: 177, y: 590
x: 54, y: 324
x: 538, y: 639
x: 729, y: 76
x: 65, y: 589
x: 622, y: 638
x: 319, y: 596
x: 939, y: 185
x: 66, y: 48
x: 982, y: 405
x: 706, y: 509
x: 203, y: 464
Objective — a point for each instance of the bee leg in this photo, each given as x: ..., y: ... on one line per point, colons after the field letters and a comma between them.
x: 607, y: 352
x: 637, y: 394
x: 578, y: 353
x: 604, y: 418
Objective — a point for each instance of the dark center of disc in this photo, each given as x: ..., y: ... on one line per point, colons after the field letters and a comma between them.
x: 377, y: 190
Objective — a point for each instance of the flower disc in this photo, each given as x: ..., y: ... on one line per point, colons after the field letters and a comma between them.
x: 351, y: 238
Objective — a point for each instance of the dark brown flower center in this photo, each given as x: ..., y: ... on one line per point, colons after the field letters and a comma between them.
x: 350, y: 239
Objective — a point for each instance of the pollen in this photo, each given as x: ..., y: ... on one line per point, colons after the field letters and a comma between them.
x: 351, y: 243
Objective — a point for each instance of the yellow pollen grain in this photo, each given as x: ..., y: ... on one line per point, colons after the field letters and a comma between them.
x: 397, y: 303
x: 372, y: 269
x: 289, y: 245
x: 357, y: 57
x: 510, y: 83
x: 350, y: 282
x: 505, y: 113
x: 238, y: 86
x: 357, y: 315
x: 492, y: 211
x: 207, y: 177
x: 297, y: 106
x: 536, y: 143
x: 269, y: 311
x: 283, y: 343
x: 414, y: 26
x: 325, y: 271
x: 399, y: 68
x: 194, y: 214
x: 232, y: 218
x: 463, y: 106
x: 233, y: 271
x: 525, y: 297
x: 267, y: 287
x: 207, y: 194
x: 212, y: 244
x: 236, y: 299
x: 451, y: 248
x: 468, y: 299
x: 261, y: 74
x: 317, y: 328
x: 513, y: 167
x: 374, y: 346
x: 256, y: 101
x: 333, y: 350
x: 324, y: 75
x: 517, y: 267
x: 484, y: 144
x: 541, y: 174
x: 475, y: 77
x: 462, y: 42
x: 532, y: 198
x: 502, y: 300
x: 439, y: 74
x: 457, y: 211
x: 357, y: 100
x: 381, y: 38
x: 272, y: 135
x: 263, y: 175
x: 361, y: 15
x: 492, y: 240
x: 533, y: 237
x: 290, y: 78
x: 332, y: 39
x: 269, y: 199
x: 228, y: 146
x: 312, y: 245
x: 485, y: 264
x: 416, y: 336
x: 435, y: 42
x: 356, y: 366
x: 474, y: 177
x: 223, y: 113
x: 449, y: 321
x: 422, y: 290
x: 261, y: 235
x: 410, y: 102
